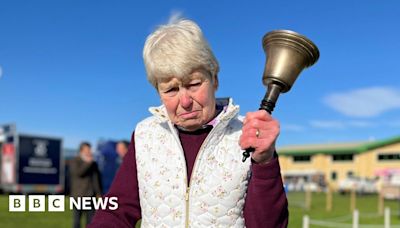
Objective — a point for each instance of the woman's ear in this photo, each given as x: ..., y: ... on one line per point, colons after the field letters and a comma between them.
x: 215, y: 81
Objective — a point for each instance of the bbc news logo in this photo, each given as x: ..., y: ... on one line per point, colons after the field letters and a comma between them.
x: 56, y: 203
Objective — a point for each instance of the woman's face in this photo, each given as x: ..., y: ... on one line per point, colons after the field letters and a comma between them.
x: 190, y: 102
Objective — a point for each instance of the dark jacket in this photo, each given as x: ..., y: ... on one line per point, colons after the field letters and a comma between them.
x: 85, y: 178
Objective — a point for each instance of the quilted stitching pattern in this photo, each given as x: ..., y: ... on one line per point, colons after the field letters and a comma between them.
x: 218, y: 183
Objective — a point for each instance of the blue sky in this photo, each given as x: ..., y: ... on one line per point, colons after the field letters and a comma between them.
x: 73, y: 69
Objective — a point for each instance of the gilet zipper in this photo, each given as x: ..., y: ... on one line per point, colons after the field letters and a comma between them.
x: 187, y: 194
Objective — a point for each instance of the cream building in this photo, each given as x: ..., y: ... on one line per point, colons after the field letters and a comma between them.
x: 335, y: 162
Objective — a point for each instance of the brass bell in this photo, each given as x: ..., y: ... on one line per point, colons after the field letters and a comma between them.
x: 288, y: 53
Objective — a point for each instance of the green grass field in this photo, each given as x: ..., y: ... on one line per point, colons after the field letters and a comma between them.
x: 367, y: 206
x: 340, y: 213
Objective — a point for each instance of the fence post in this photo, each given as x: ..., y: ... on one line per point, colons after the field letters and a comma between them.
x: 387, y: 217
x: 355, y: 219
x: 381, y: 202
x: 308, y: 198
x: 353, y: 199
x: 306, y: 221
x: 329, y: 198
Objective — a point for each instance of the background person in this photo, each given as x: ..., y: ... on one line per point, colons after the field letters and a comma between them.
x: 85, y: 181
x: 121, y: 148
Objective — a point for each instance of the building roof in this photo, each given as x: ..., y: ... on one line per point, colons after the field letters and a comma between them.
x: 337, y: 148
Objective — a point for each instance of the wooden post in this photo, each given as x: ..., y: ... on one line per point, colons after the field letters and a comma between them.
x: 308, y: 198
x: 353, y: 199
x: 381, y: 202
x: 329, y: 198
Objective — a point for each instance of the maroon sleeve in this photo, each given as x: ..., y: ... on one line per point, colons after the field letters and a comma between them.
x: 125, y: 187
x: 266, y: 204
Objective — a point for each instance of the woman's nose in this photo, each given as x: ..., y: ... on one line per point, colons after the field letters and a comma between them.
x: 185, y: 99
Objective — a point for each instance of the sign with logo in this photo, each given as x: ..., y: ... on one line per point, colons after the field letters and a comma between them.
x: 39, y: 160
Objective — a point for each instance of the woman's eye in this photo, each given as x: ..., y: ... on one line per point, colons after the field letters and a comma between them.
x: 194, y: 84
x: 172, y: 90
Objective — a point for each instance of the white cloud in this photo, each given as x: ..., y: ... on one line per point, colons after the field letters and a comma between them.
x: 175, y: 16
x: 336, y: 124
x: 361, y: 124
x: 292, y: 127
x: 330, y: 124
x: 367, y: 102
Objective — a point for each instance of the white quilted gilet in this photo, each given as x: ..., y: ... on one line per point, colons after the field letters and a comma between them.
x: 218, y: 181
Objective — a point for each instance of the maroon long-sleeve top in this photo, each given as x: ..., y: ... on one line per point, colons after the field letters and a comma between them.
x: 265, y: 205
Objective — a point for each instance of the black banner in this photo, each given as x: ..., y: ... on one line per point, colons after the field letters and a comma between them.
x: 39, y: 160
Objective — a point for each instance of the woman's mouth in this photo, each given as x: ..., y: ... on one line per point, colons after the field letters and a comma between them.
x: 189, y: 115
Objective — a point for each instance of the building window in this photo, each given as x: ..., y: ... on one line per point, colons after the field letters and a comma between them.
x: 388, y: 157
x: 333, y: 175
x: 301, y: 158
x: 350, y: 174
x: 342, y: 157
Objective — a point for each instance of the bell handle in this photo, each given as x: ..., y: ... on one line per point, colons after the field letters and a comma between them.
x: 267, y: 104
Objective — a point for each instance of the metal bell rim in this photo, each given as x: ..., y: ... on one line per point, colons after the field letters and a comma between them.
x: 294, y: 40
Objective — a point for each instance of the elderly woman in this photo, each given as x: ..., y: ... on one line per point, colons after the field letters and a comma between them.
x: 184, y: 165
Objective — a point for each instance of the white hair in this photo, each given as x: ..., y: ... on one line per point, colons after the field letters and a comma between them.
x: 176, y: 50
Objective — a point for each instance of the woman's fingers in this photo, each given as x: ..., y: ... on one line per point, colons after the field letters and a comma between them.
x: 260, y: 132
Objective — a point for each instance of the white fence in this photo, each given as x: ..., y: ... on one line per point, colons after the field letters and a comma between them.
x: 339, y: 222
